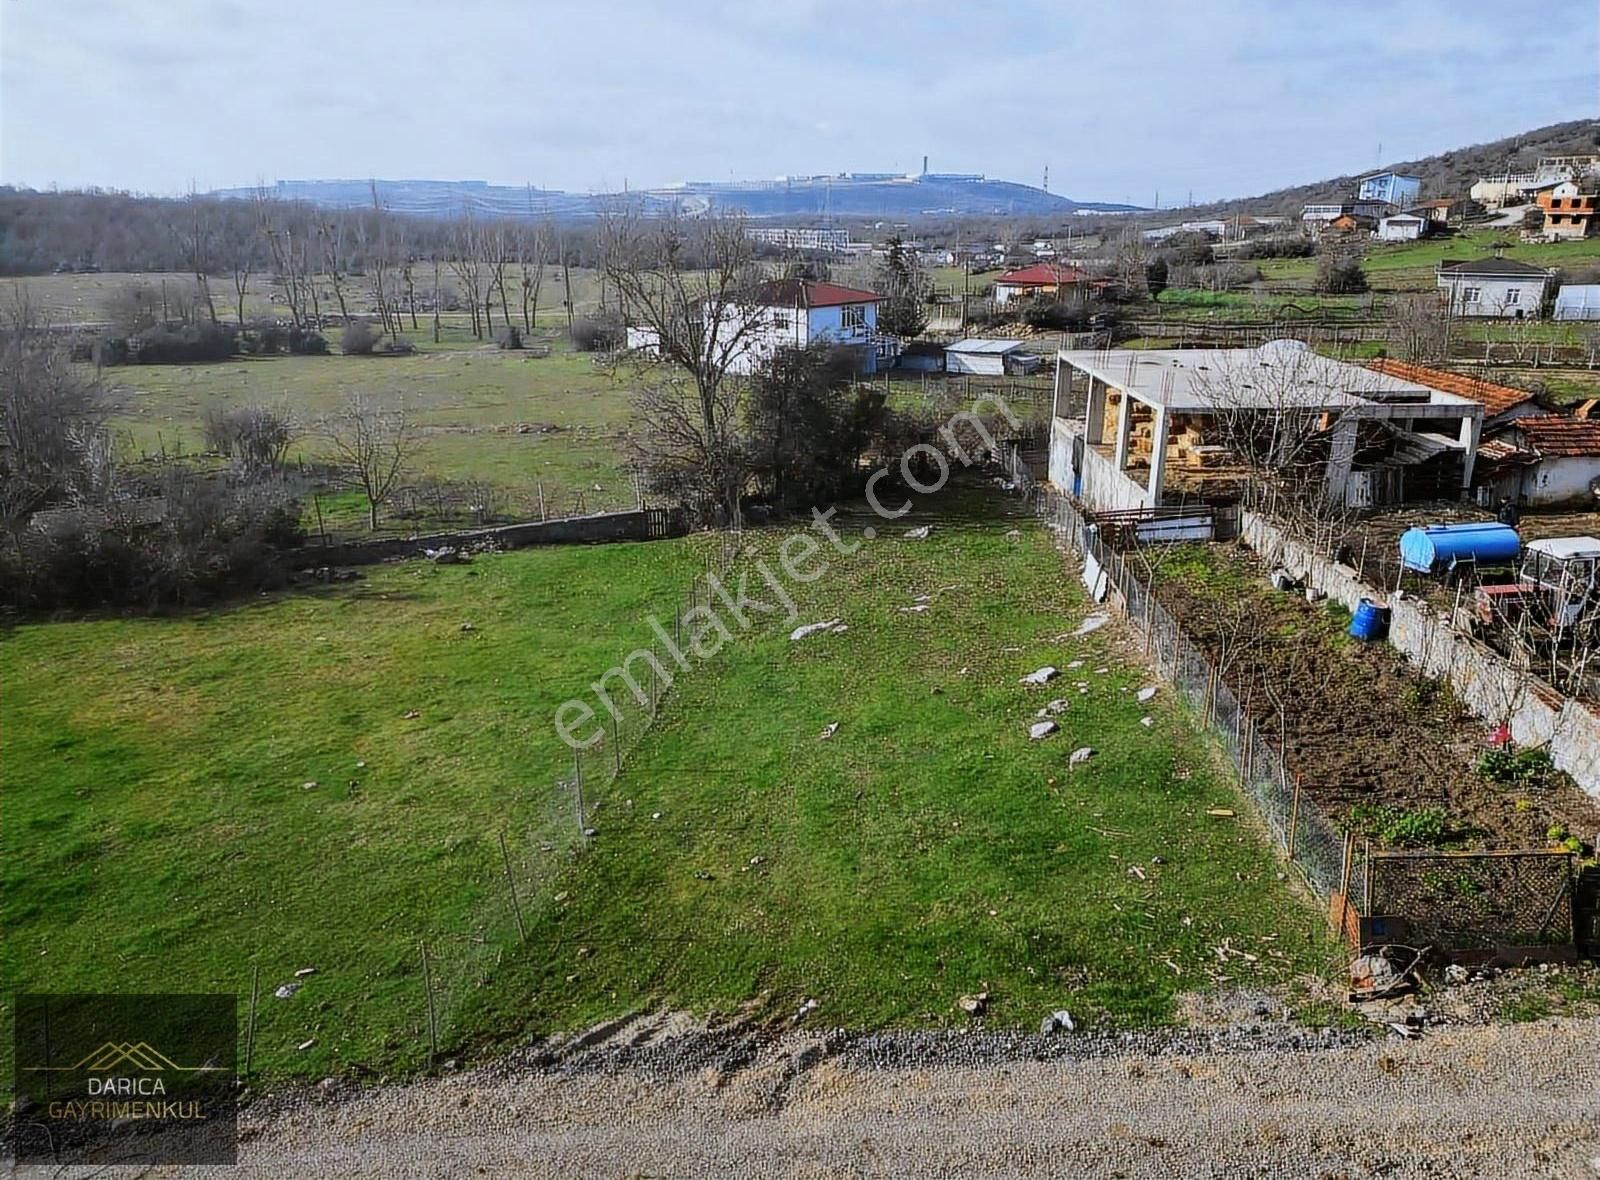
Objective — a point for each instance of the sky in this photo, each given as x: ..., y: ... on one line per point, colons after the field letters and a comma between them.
x: 1121, y: 100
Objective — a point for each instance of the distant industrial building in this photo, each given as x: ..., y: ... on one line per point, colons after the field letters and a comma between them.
x: 798, y: 238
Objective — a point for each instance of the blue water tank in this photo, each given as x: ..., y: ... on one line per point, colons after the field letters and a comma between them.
x: 1433, y: 548
x: 1370, y: 621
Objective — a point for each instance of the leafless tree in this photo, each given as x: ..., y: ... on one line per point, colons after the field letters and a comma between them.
x: 331, y: 232
x: 500, y: 243
x: 196, y: 236
x: 1270, y: 411
x: 1419, y: 326
x: 278, y: 226
x: 689, y: 284
x: 256, y: 437
x: 533, y: 246
x: 245, y: 255
x: 54, y: 447
x: 466, y: 261
x: 373, y: 444
x: 1129, y: 264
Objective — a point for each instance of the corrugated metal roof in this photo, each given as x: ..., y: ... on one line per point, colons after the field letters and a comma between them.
x: 977, y: 345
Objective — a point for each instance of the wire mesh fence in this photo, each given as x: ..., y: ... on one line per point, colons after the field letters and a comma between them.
x: 1450, y: 900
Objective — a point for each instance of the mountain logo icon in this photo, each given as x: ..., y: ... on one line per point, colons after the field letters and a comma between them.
x: 142, y: 1056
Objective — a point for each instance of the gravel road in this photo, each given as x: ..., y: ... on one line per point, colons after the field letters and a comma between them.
x: 658, y: 1098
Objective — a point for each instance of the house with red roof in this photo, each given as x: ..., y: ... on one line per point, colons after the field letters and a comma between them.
x: 1053, y: 279
x: 1544, y: 460
x: 1501, y: 403
x: 797, y: 313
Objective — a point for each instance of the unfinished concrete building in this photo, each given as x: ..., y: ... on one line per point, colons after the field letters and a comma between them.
x: 1135, y: 429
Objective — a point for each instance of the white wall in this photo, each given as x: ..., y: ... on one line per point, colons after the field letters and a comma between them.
x: 1495, y: 296
x: 1560, y: 480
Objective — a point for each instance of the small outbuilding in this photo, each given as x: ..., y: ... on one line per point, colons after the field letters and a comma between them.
x: 1546, y: 460
x: 989, y: 358
x: 1402, y: 227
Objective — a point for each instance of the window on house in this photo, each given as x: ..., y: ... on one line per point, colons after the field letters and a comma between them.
x: 852, y: 317
x: 1512, y: 296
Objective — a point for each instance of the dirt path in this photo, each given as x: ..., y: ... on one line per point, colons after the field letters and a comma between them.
x: 1522, y: 1100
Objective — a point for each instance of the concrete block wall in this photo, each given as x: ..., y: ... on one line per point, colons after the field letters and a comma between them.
x: 641, y: 525
x: 1485, y: 681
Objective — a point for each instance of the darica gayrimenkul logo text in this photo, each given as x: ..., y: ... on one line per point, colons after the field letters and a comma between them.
x: 137, y: 1079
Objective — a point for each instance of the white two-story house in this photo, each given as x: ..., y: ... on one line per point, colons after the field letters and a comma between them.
x: 1494, y: 287
x: 796, y: 313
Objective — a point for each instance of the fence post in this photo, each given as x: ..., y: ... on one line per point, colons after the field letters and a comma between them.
x: 511, y: 887
x: 433, y: 1023
x: 1366, y: 875
x: 250, y: 1029
x: 577, y: 786
x: 1294, y: 815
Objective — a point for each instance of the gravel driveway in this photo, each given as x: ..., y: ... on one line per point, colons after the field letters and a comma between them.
x: 657, y: 1098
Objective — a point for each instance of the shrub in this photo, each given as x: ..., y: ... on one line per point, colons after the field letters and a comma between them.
x: 110, y: 350
x: 508, y: 338
x: 185, y: 344
x: 1340, y: 274
x: 305, y: 342
x: 1399, y: 827
x: 598, y: 334
x: 359, y: 338
x: 1295, y: 246
x: 1055, y: 315
x: 1528, y: 767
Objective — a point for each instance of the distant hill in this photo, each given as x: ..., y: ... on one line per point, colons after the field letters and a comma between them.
x: 1447, y: 174
x: 847, y: 195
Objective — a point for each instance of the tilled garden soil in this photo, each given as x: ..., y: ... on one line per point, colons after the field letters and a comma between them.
x: 1355, y: 720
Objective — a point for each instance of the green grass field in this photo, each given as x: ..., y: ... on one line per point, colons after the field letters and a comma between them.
x: 467, y: 399
x: 159, y: 835
x: 1409, y: 266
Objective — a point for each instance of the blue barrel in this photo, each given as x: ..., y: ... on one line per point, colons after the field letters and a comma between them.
x: 1435, y: 548
x: 1370, y: 621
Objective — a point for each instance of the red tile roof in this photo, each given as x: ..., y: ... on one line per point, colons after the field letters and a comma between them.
x: 1495, y: 399
x: 810, y: 293
x: 1556, y: 435
x: 1043, y: 274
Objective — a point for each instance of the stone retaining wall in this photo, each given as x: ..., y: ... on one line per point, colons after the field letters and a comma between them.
x: 1486, y: 682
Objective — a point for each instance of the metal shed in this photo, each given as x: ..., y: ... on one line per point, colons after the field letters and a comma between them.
x: 1578, y: 301
x: 994, y: 358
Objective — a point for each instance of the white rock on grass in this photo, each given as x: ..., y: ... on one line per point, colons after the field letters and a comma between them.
x: 921, y: 533
x: 1055, y: 708
x: 1147, y: 722
x: 813, y: 629
x: 1092, y: 623
x: 1146, y: 693
x: 828, y: 731
x: 1042, y: 675
x: 1081, y: 754
x: 1041, y: 729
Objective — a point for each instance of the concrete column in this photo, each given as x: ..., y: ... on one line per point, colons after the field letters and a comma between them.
x: 1158, y: 459
x: 1094, y: 418
x: 1471, y: 435
x: 1055, y: 397
x: 1341, y: 456
x: 1124, y: 431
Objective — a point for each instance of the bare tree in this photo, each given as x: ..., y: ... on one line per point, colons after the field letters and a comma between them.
x: 245, y: 255
x: 333, y: 260
x: 466, y: 262
x: 690, y: 285
x: 1419, y: 325
x: 54, y: 447
x: 196, y: 235
x: 501, y: 250
x: 533, y: 247
x: 373, y: 445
